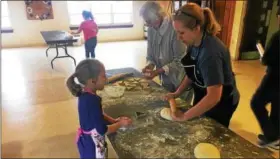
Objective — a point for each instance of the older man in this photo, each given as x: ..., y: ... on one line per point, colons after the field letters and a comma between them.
x: 164, y: 49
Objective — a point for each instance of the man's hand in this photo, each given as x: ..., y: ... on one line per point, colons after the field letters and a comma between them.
x: 149, y: 74
x: 149, y: 67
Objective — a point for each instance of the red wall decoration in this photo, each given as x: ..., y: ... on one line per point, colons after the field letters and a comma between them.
x: 39, y: 10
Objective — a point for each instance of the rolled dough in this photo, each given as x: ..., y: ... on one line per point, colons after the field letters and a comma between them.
x: 166, y: 114
x: 114, y: 91
x: 206, y: 150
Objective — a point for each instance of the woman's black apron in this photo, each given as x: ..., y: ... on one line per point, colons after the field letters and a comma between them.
x: 222, y: 112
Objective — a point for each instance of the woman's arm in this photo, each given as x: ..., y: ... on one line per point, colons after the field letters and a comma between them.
x: 184, y: 84
x: 212, y: 97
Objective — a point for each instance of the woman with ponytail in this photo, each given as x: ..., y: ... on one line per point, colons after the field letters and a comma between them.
x: 207, y: 64
x: 90, y: 30
x: 94, y: 123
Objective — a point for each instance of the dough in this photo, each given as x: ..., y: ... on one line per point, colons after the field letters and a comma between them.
x: 120, y: 83
x: 114, y: 91
x: 166, y: 114
x: 206, y: 150
x: 129, y: 88
x: 133, y: 79
x: 144, y: 85
x: 133, y: 83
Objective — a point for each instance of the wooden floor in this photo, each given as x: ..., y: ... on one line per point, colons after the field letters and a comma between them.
x: 39, y: 116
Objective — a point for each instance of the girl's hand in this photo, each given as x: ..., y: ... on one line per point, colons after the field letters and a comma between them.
x: 123, y: 117
x: 125, y: 122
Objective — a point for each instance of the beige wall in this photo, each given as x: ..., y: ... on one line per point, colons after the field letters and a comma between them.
x: 27, y: 32
x: 240, y: 8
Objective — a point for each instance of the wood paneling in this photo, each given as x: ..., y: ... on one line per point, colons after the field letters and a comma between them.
x: 224, y: 12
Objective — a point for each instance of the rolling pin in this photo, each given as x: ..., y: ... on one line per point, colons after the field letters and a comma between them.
x: 116, y: 77
x: 172, y: 104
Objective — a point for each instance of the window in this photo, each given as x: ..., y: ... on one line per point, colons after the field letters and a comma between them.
x: 105, y: 12
x: 177, y: 4
x: 5, y: 20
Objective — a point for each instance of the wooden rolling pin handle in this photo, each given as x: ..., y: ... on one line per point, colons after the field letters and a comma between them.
x: 118, y: 76
x: 172, y: 104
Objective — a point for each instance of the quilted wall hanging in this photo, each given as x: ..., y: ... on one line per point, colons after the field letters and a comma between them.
x: 39, y: 10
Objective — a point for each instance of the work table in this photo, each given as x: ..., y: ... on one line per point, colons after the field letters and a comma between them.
x: 151, y: 136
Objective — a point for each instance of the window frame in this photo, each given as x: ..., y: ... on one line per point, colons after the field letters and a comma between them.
x: 6, y: 29
x: 112, y: 25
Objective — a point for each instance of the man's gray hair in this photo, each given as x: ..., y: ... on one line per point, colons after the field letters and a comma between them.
x: 152, y: 10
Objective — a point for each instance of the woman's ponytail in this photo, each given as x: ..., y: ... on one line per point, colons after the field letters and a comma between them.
x: 210, y: 23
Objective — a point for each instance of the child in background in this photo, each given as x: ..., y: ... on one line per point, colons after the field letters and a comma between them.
x: 90, y: 30
x: 91, y: 134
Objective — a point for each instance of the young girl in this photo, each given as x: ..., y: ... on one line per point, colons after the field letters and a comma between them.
x: 90, y: 30
x: 91, y: 134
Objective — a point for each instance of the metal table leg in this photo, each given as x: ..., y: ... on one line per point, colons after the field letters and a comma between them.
x: 66, y: 52
x: 56, y: 47
x: 47, y: 50
x: 64, y: 46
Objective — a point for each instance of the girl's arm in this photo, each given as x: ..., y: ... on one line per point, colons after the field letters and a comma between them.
x: 109, y: 118
x: 78, y: 31
x: 113, y: 128
x: 97, y: 29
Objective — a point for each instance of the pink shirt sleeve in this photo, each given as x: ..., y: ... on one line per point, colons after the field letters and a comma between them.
x: 82, y: 26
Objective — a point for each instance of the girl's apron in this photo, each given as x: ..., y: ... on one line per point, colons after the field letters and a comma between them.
x: 84, y: 141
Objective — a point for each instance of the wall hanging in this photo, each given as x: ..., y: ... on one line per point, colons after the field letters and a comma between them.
x: 39, y: 10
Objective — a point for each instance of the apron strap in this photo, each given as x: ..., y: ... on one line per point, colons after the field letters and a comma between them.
x: 80, y: 132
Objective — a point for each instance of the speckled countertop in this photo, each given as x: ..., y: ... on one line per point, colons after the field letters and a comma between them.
x: 153, y: 137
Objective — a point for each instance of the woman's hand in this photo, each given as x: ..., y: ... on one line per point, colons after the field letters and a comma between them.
x: 178, y: 116
x: 169, y: 96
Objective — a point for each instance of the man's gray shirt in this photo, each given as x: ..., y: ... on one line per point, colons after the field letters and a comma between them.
x: 165, y: 51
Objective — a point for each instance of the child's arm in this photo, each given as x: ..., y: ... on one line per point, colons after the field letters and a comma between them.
x: 97, y: 118
x: 109, y: 118
x: 96, y: 28
x: 77, y: 32
x: 113, y: 128
x: 79, y: 29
